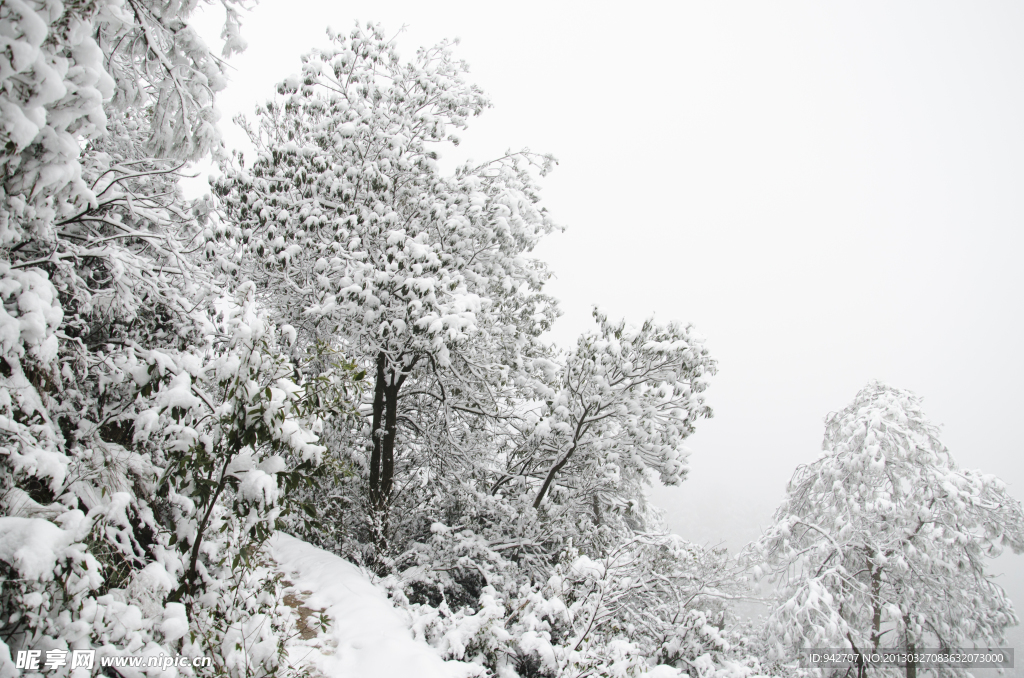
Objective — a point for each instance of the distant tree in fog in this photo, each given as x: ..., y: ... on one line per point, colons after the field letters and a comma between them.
x: 881, y: 542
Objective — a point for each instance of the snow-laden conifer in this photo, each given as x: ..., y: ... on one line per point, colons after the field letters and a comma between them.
x: 882, y: 542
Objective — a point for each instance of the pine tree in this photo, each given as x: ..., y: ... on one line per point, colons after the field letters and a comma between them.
x: 881, y: 542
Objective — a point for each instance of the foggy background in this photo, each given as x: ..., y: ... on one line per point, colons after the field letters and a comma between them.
x: 830, y: 192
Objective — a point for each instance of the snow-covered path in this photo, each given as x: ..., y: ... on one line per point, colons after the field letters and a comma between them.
x: 366, y: 636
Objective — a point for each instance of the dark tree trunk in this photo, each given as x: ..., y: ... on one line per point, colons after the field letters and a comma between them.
x: 862, y: 670
x: 876, y: 601
x: 911, y: 648
x: 384, y: 432
x: 377, y: 435
x: 387, y: 459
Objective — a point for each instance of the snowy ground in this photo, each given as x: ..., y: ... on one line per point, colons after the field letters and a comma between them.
x: 363, y: 636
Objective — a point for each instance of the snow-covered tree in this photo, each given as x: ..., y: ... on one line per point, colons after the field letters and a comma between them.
x: 357, y: 239
x: 621, y: 406
x: 881, y: 542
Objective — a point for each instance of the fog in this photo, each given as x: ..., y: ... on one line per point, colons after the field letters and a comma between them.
x: 830, y: 192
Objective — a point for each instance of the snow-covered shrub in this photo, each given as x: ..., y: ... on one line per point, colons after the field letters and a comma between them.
x: 240, y: 619
x: 454, y: 564
x: 167, y: 502
x: 653, y: 601
x: 130, y: 382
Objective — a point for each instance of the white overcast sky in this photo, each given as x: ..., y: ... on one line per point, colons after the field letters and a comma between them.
x: 830, y: 191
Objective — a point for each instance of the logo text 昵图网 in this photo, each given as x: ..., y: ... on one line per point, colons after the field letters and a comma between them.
x: 50, y: 660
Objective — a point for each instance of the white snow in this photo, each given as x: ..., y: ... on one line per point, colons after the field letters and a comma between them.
x: 663, y: 671
x: 32, y: 545
x: 366, y: 636
x: 175, y: 622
